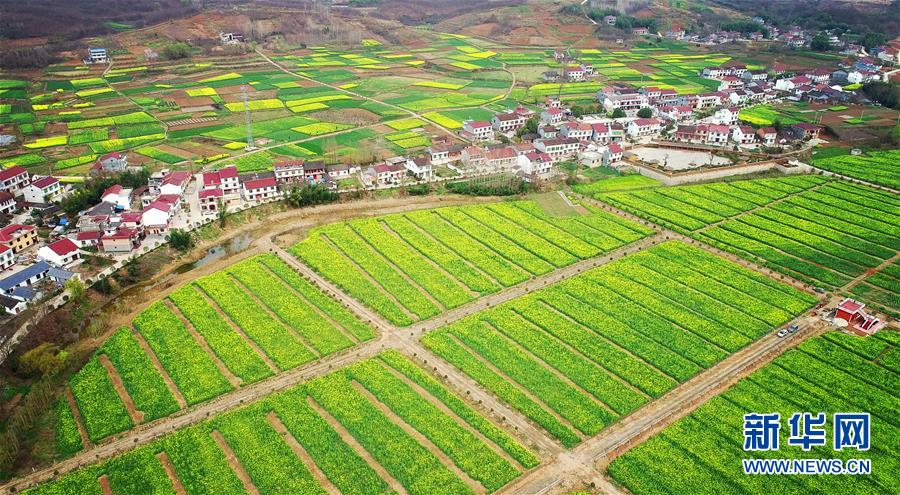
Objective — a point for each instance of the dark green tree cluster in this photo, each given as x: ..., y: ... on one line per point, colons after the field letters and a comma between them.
x: 89, y: 193
x: 310, y: 194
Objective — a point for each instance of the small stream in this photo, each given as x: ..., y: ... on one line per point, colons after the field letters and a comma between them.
x: 235, y: 245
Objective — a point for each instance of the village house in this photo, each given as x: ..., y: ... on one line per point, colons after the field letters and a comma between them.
x: 557, y: 148
x: 574, y: 73
x: 97, y: 55
x: 260, y: 187
x: 420, y: 168
x: 675, y: 113
x: 472, y: 156
x: 440, y: 154
x: 639, y: 128
x: 852, y: 313
x: 576, y: 130
x: 389, y: 175
x: 535, y: 164
x: 288, y: 171
x: 500, y: 158
x: 550, y: 76
x: 890, y: 55
x: 726, y: 116
x: 731, y: 83
x: 818, y: 76
x: 118, y: 196
x: 62, y: 252
x: 156, y: 217
x: 613, y: 98
x: 87, y: 239
x: 123, y: 240
x: 175, y: 183
x: 599, y: 133
x: 613, y: 153
x: 507, y: 122
x: 315, y: 172
x: 548, y: 132
x: 552, y: 116
x: 7, y: 202
x: 640, y: 31
x: 790, y: 84
x: 717, y: 134
x: 18, y: 237
x: 210, y: 199
x: 7, y: 257
x: 16, y: 289
x: 709, y: 100
x: 477, y: 130
x: 225, y: 179
x: 767, y: 136
x: 609, y: 20
x: 714, y: 72
x: 804, y: 130
x: 755, y: 76
x: 743, y: 134
x: 42, y: 191
x: 111, y: 162
x: 13, y: 179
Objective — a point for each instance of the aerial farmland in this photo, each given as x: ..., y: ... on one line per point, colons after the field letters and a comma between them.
x: 426, y: 248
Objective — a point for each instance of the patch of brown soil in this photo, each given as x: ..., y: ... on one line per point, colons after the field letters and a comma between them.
x: 137, y: 417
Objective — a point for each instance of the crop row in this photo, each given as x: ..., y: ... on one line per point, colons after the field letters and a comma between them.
x: 877, y: 166
x: 285, y: 349
x: 388, y: 262
x: 577, y: 355
x: 319, y: 319
x: 191, y: 368
x: 279, y: 298
x: 377, y: 402
x: 706, y: 446
x: 228, y: 345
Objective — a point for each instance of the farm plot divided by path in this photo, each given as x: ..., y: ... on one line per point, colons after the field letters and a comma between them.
x: 381, y: 425
x: 575, y: 356
x: 878, y: 167
x: 835, y: 372
x: 823, y: 232
x: 234, y: 327
x: 413, y: 266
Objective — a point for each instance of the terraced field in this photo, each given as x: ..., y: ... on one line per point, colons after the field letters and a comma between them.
x: 381, y: 425
x: 575, y: 356
x: 824, y: 232
x: 836, y: 372
x: 228, y: 329
x: 413, y: 266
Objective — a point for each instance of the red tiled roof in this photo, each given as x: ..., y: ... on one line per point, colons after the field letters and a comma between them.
x: 229, y: 172
x: 178, y: 177
x: 260, y: 183
x: 643, y: 122
x: 44, y: 182
x: 121, y: 233
x: 11, y: 172
x: 158, y: 205
x: 6, y: 196
x: 850, y: 306
x: 211, y: 179
x: 89, y: 236
x: 63, y: 246
x: 477, y: 124
x: 114, y: 189
x: 169, y: 198
x: 288, y: 164
x: 6, y: 233
x: 208, y: 193
x: 114, y: 154
x: 614, y: 148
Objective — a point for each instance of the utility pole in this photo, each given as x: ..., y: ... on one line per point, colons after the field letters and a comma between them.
x: 250, y: 146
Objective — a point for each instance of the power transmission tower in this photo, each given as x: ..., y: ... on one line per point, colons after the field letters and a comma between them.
x: 250, y: 146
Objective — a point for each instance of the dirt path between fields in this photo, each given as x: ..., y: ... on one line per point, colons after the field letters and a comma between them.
x: 137, y: 417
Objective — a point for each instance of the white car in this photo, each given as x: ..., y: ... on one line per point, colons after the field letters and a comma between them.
x: 783, y: 332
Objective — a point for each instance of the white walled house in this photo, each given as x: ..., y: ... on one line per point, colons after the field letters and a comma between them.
x: 13, y: 179
x: 767, y: 136
x: 7, y: 202
x: 43, y: 190
x: 552, y: 116
x: 639, y: 128
x: 260, y: 189
x: 743, y: 134
x: 420, y: 168
x: 507, y: 122
x: 60, y: 253
x: 7, y: 257
x: 576, y: 130
x: 557, y: 148
x: 535, y: 164
x: 477, y: 130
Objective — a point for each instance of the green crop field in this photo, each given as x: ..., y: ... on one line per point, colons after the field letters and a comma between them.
x: 421, y: 434
x: 835, y: 372
x: 822, y: 232
x: 601, y: 344
x: 414, y: 266
x: 256, y: 318
x: 878, y: 167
